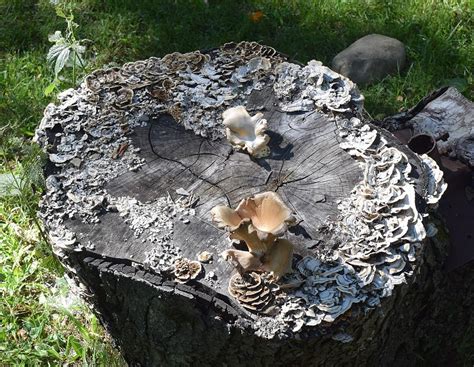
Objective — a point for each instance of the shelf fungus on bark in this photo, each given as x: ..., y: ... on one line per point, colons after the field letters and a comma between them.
x: 245, y: 132
x: 185, y: 269
x: 252, y: 292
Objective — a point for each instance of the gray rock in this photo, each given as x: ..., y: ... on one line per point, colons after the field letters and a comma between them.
x: 370, y: 58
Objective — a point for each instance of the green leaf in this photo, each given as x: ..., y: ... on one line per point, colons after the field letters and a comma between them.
x: 61, y: 60
x: 55, y: 51
x: 60, y: 12
x: 76, y: 60
x: 50, y: 88
x: 9, y: 184
x: 55, y: 37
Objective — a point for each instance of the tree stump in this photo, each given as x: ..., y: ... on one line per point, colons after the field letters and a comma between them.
x: 138, y: 157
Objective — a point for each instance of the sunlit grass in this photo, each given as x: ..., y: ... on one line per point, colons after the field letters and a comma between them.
x: 33, y: 331
x: 35, y: 328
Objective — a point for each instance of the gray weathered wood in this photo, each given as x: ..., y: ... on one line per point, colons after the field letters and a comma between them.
x: 306, y: 167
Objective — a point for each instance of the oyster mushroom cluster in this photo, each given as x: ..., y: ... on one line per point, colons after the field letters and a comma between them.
x: 245, y: 132
x: 259, y: 221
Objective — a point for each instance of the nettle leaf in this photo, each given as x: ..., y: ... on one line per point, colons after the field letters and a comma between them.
x: 61, y: 60
x: 51, y: 87
x: 60, y: 12
x: 76, y: 59
x: 55, y: 51
x: 55, y: 37
x: 10, y: 184
x: 80, y: 49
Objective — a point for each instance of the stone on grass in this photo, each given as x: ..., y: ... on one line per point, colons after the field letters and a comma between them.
x: 370, y: 58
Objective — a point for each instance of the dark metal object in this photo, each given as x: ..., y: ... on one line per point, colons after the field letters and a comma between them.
x: 425, y: 144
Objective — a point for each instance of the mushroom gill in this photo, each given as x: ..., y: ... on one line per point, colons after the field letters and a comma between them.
x: 264, y: 213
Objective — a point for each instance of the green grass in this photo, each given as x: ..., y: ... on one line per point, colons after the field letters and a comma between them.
x: 439, y: 40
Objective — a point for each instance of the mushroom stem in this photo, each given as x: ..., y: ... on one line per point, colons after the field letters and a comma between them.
x: 243, y: 261
x: 278, y: 259
x: 247, y: 233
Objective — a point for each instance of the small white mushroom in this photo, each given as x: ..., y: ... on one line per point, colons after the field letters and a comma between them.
x: 245, y: 132
x: 205, y: 257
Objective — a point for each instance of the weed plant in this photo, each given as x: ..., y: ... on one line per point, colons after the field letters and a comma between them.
x: 40, y: 323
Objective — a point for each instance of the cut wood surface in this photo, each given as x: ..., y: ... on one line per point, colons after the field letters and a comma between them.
x: 306, y: 167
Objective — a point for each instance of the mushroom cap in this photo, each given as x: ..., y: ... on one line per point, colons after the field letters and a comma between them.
x: 257, y: 221
x: 268, y: 213
x: 245, y: 132
x: 226, y: 217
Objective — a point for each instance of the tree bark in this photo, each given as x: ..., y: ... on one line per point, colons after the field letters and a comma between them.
x: 157, y: 322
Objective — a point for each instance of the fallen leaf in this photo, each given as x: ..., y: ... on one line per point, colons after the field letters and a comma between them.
x: 256, y: 16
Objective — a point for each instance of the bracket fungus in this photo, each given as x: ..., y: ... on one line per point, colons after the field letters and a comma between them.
x: 252, y: 292
x: 185, y: 269
x: 245, y: 132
